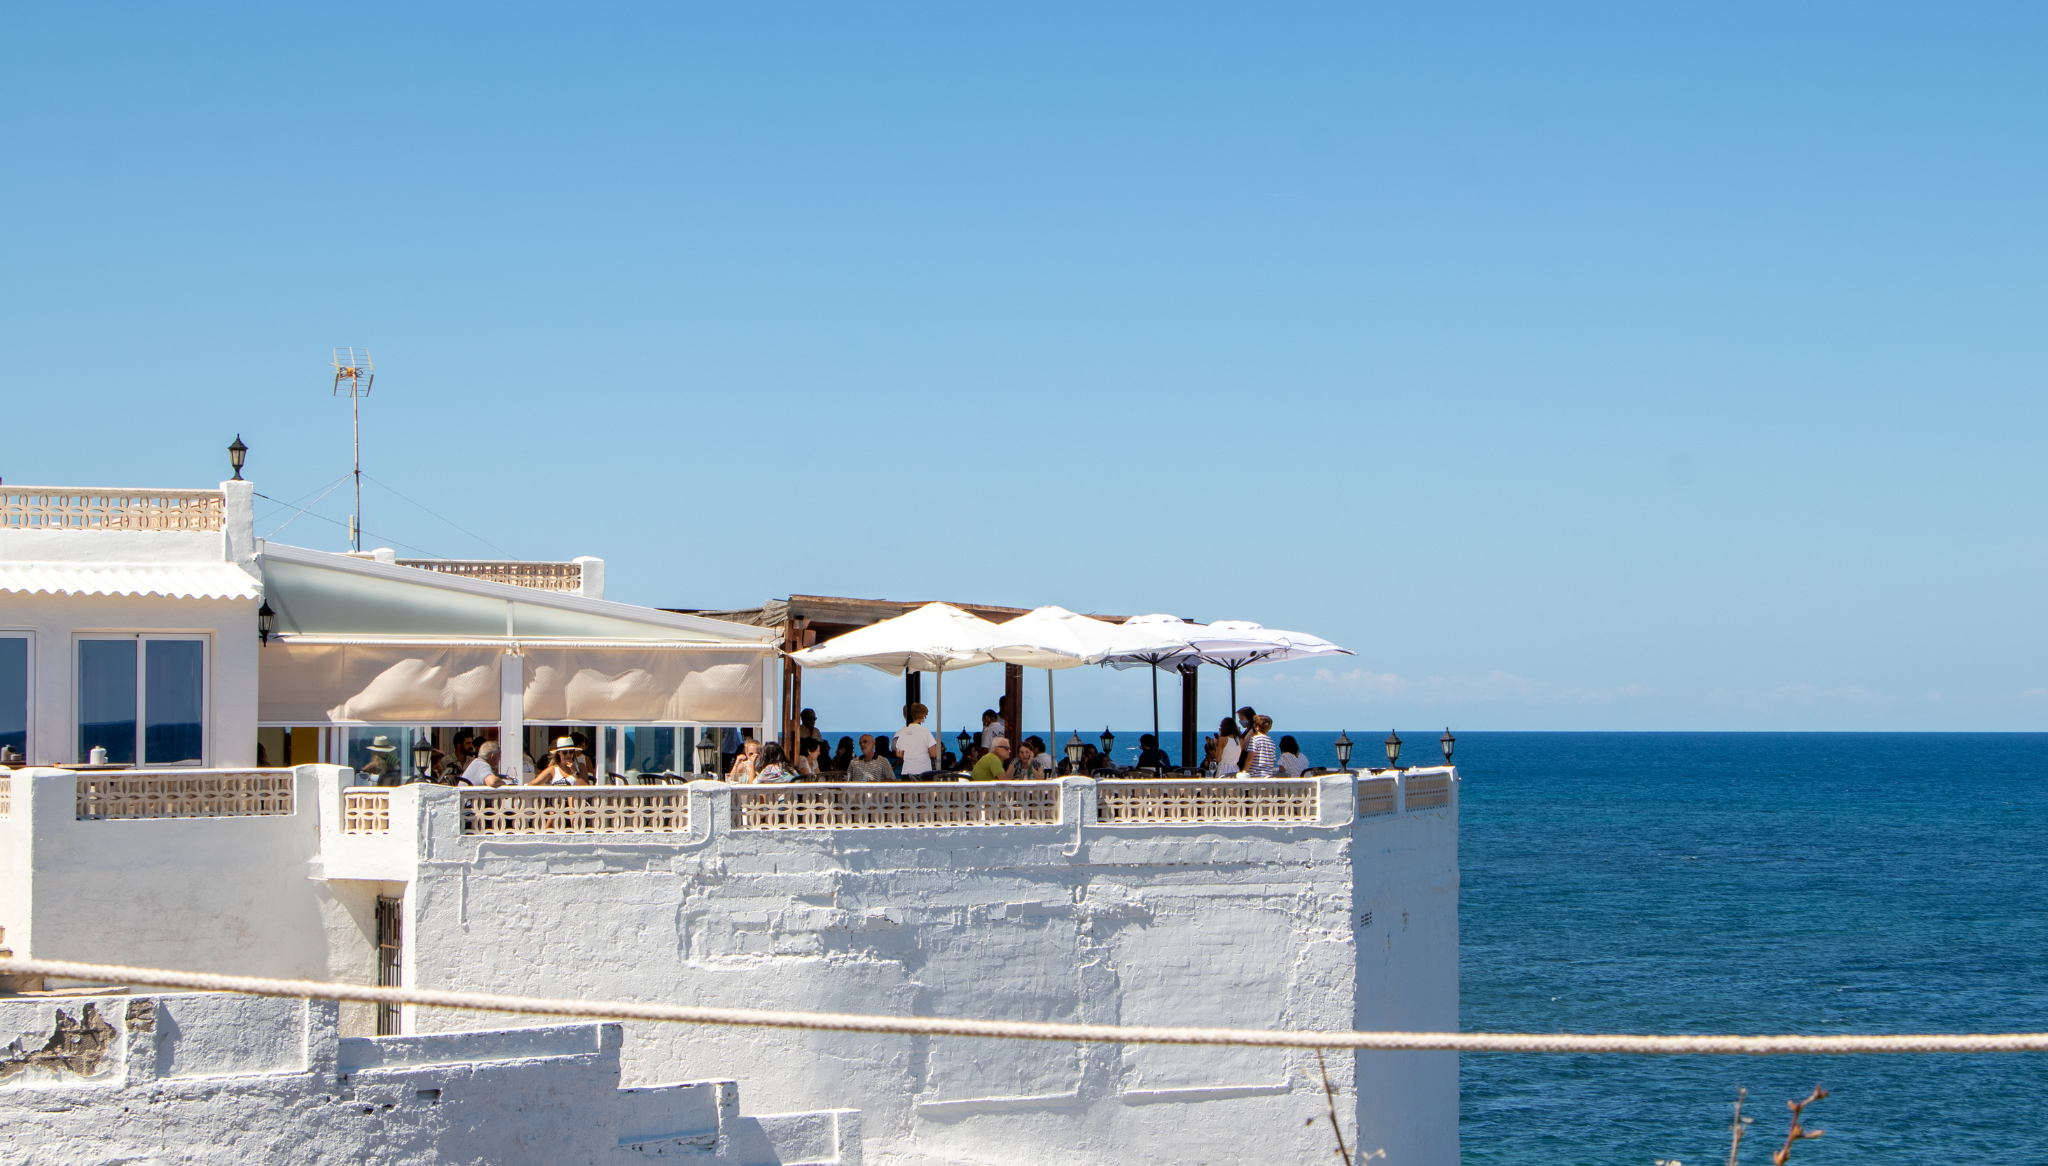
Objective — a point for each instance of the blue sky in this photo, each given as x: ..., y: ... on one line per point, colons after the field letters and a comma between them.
x: 1581, y: 366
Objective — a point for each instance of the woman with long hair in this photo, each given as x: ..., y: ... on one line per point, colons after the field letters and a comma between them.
x: 773, y: 768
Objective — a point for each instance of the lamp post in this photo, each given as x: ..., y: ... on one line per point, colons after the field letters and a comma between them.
x: 964, y: 739
x: 1108, y: 743
x: 707, y: 751
x: 266, y: 622
x: 1074, y: 751
x: 1447, y: 741
x: 1343, y: 746
x: 423, y: 755
x: 237, y: 454
x: 1393, y: 750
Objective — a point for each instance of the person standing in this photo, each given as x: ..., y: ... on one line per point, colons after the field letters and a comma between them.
x: 991, y: 728
x: 915, y: 745
x: 1261, y: 758
x: 1224, y: 749
x: 870, y: 765
x: 807, y: 728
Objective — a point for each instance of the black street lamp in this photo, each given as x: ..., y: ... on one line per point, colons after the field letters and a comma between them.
x: 1108, y: 743
x: 266, y: 622
x: 1343, y: 747
x: 965, y: 739
x: 707, y: 751
x: 237, y: 454
x: 423, y: 755
x: 1447, y: 741
x: 1393, y: 750
x: 1074, y: 751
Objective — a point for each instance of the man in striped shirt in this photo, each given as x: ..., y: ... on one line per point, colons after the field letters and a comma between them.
x: 1262, y: 757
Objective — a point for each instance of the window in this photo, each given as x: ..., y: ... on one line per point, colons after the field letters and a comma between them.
x: 14, y: 690
x: 142, y: 699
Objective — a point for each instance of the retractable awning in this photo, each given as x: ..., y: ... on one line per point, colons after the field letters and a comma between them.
x: 170, y: 580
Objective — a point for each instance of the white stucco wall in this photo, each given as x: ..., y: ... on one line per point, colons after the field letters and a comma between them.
x: 206, y: 894
x: 192, y: 1077
x: 1239, y: 925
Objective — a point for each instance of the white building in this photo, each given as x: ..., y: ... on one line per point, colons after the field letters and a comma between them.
x: 1319, y: 903
x: 201, y: 1077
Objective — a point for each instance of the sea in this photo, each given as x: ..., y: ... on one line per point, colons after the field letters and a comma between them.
x: 1746, y: 883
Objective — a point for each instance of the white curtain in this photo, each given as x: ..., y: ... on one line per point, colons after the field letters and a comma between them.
x: 311, y: 684
x: 620, y: 685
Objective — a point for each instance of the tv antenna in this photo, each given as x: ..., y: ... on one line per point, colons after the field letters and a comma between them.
x: 353, y: 374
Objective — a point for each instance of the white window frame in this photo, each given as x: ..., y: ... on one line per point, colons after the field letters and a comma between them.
x: 142, y: 641
x: 28, y: 741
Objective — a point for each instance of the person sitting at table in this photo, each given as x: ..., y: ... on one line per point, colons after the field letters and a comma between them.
x: 1024, y: 767
x: 1041, y: 760
x: 807, y: 753
x: 994, y: 764
x: 772, y: 768
x: 561, y: 768
x: 483, y: 768
x: 842, y: 756
x: 741, y: 771
x: 1151, y: 756
x: 1292, y: 763
x: 870, y: 765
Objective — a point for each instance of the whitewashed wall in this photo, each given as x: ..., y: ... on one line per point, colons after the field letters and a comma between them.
x: 1239, y: 925
x: 207, y: 1078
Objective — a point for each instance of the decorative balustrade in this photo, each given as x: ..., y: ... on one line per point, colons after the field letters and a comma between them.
x: 538, y: 576
x: 1375, y: 796
x: 1144, y: 803
x: 185, y: 793
x: 860, y: 807
x: 365, y: 811
x: 66, y: 508
x: 1429, y: 790
x: 6, y: 794
x: 588, y: 810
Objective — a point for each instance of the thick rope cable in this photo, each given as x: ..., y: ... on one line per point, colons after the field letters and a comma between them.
x: 1462, y: 1042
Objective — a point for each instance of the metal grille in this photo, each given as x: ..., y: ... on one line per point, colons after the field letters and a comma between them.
x: 859, y: 807
x: 390, y: 959
x: 587, y: 811
x: 1428, y: 790
x: 185, y: 793
x: 539, y: 576
x: 60, y: 508
x: 1130, y: 803
x: 1375, y: 796
x: 366, y: 811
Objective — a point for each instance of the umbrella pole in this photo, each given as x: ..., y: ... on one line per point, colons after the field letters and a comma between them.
x: 1233, y: 691
x: 938, y: 736
x: 1052, y: 719
x: 1154, y: 670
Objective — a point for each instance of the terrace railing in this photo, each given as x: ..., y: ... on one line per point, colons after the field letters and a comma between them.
x: 863, y: 806
x: 1375, y: 796
x: 6, y: 794
x: 1172, y: 803
x: 588, y: 810
x: 185, y: 793
x: 539, y: 576
x: 1428, y: 790
x: 77, y: 508
x: 365, y: 811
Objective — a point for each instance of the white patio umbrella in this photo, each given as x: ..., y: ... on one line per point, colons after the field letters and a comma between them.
x: 934, y: 638
x: 1239, y: 642
x: 1053, y: 638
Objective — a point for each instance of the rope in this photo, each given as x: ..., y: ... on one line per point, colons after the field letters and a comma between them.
x: 1462, y: 1042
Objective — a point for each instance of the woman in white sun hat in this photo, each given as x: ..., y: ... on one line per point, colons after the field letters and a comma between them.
x: 563, y: 767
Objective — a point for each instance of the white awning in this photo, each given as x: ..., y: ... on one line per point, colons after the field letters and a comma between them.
x: 171, y: 580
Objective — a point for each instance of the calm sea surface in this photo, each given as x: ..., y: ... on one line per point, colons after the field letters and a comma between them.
x: 1748, y: 883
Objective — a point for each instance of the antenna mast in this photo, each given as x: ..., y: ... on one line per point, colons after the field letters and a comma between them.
x: 353, y: 374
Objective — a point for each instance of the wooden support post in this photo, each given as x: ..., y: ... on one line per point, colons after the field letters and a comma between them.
x: 913, y: 689
x: 1190, y: 728
x: 1012, y: 709
x: 796, y: 636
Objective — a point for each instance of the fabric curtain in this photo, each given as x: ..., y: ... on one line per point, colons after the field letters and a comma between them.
x: 310, y: 684
x: 621, y: 685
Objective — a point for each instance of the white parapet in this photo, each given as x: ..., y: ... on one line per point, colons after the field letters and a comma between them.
x: 1321, y: 903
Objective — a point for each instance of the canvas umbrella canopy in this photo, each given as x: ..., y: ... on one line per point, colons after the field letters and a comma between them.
x: 1239, y: 642
x: 1182, y: 646
x: 1053, y: 637
x: 937, y: 637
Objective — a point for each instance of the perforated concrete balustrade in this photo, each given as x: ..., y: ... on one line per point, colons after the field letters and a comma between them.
x: 1120, y: 803
x: 83, y: 508
x: 185, y: 793
x: 538, y: 576
x: 856, y: 807
x: 366, y: 811
x: 1429, y: 790
x: 6, y: 794
x: 591, y: 810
